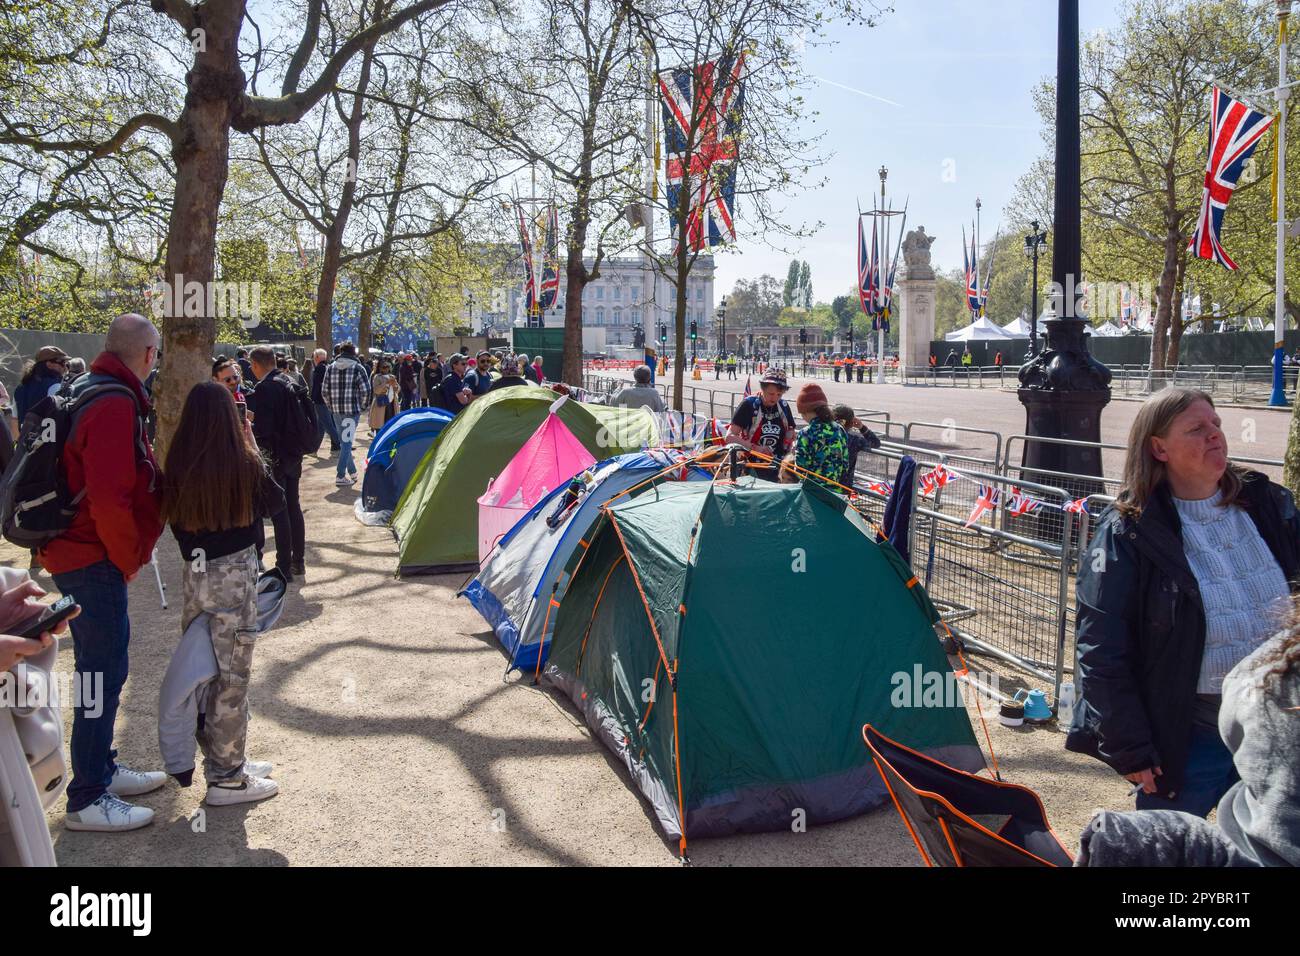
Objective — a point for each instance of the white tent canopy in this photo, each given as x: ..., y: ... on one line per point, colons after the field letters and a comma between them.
x: 981, y: 328
x: 1107, y: 329
x: 1017, y: 327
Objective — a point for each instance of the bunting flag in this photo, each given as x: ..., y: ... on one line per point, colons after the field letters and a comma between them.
x: 1235, y: 131
x: 988, y: 499
x: 882, y: 488
x: 530, y: 278
x: 1021, y: 503
x: 935, y: 479
x: 1077, y: 506
x: 551, y: 260
x: 702, y: 108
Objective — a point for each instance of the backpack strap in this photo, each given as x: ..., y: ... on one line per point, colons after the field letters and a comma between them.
x: 86, y: 391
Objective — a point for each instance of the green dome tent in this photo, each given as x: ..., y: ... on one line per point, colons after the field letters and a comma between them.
x: 728, y: 641
x: 436, y: 520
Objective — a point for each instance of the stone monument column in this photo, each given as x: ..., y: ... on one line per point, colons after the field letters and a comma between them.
x: 916, y: 301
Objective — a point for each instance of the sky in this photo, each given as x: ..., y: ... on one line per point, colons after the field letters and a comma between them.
x: 943, y: 100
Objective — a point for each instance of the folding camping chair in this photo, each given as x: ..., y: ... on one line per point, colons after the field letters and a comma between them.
x: 960, y: 819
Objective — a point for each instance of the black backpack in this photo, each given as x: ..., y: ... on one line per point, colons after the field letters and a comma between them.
x: 35, y: 504
x: 300, y: 425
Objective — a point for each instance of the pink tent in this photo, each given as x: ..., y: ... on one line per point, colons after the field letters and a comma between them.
x: 546, y: 461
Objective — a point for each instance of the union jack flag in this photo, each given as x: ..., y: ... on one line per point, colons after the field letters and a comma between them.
x: 1077, y: 506
x: 530, y: 278
x: 987, y: 501
x: 748, y: 389
x: 933, y: 480
x: 551, y: 259
x: 1126, y: 306
x: 1021, y: 503
x: 973, y: 301
x: 882, y: 488
x: 701, y: 113
x: 1235, y: 131
x: 887, y: 296
x: 866, y: 268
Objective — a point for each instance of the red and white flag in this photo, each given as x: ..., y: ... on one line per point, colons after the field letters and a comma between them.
x: 1021, y: 503
x: 987, y: 501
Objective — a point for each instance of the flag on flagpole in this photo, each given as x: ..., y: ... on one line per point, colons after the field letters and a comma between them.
x: 702, y: 108
x: 987, y: 501
x: 530, y: 278
x: 748, y: 391
x: 1235, y: 131
x: 551, y: 259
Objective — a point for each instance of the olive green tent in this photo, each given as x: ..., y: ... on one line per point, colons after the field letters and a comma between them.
x: 436, y: 519
x: 729, y: 640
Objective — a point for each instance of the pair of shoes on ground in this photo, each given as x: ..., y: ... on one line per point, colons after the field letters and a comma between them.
x: 110, y: 813
x: 349, y: 479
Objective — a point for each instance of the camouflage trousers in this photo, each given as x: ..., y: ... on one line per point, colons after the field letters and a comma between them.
x: 225, y: 589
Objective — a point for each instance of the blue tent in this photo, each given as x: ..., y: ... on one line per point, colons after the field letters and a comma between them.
x: 520, y: 579
x: 394, y: 454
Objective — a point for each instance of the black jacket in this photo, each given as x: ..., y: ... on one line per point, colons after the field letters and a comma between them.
x: 1141, y: 631
x: 270, y: 406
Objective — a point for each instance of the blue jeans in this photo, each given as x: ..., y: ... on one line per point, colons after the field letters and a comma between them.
x: 1209, y: 774
x: 325, y: 425
x: 346, y: 425
x: 100, y: 634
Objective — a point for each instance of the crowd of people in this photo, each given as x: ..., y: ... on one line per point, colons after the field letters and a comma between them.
x: 1188, y: 644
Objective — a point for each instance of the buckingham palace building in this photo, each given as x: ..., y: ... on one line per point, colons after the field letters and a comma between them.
x: 625, y: 295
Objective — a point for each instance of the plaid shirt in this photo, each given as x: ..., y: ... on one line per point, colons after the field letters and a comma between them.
x: 346, y: 387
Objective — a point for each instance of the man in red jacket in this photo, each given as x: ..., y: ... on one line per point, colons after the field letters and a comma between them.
x: 117, y: 524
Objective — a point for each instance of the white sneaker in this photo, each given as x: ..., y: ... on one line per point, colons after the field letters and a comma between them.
x: 109, y: 814
x: 252, y: 790
x: 131, y: 783
x: 258, y: 768
x: 342, y: 482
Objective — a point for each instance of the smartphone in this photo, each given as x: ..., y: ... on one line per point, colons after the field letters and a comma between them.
x: 243, y: 411
x: 47, y: 618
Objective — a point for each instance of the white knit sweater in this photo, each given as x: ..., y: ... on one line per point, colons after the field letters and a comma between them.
x: 1242, y: 588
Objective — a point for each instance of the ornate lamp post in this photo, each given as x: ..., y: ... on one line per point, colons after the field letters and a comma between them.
x: 722, y: 320
x: 1035, y: 242
x: 1063, y: 388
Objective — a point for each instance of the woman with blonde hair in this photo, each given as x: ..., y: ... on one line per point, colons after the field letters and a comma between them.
x: 1188, y: 573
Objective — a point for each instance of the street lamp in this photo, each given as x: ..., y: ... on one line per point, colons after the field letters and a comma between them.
x: 1035, y: 242
x: 722, y: 319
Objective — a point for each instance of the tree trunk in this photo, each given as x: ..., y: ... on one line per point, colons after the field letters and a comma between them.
x: 576, y: 279
x: 1165, y: 297
x: 329, y: 272
x: 679, y: 319
x: 1176, y: 318
x: 214, y: 85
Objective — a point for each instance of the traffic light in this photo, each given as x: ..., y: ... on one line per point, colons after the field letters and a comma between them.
x: 663, y: 333
x: 694, y: 329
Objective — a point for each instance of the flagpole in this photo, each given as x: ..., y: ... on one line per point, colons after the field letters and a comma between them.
x: 1278, y: 398
x: 880, y: 322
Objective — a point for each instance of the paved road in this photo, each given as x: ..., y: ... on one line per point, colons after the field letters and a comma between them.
x: 1252, y: 432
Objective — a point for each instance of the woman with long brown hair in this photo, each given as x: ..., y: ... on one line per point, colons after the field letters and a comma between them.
x: 216, y: 492
x: 1188, y: 573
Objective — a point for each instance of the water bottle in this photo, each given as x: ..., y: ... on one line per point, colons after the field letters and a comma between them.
x: 1065, y: 707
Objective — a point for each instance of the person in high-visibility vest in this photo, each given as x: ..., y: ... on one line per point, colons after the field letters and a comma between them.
x: 835, y: 368
x: 967, y: 359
